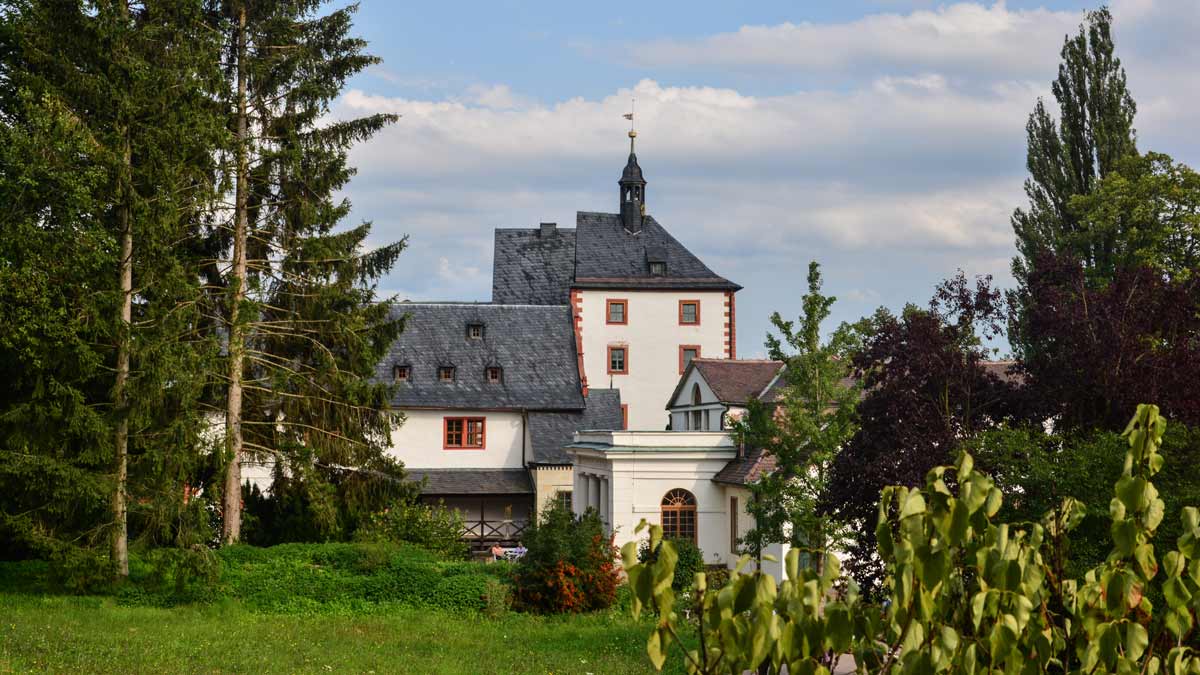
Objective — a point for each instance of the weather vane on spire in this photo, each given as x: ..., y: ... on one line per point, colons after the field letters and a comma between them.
x: 629, y: 116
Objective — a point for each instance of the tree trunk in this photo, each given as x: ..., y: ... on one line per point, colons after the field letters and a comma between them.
x: 233, y: 414
x: 120, y: 540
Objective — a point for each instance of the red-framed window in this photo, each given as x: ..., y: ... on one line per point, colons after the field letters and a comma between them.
x: 401, y: 372
x: 689, y: 312
x: 616, y: 311
x: 618, y: 359
x: 625, y: 416
x: 686, y: 354
x: 445, y: 373
x: 463, y: 433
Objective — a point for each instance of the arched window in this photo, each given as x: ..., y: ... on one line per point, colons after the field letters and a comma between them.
x: 696, y: 394
x: 679, y: 515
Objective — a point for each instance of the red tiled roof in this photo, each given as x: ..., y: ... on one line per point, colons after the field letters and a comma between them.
x: 737, y: 381
x: 745, y: 470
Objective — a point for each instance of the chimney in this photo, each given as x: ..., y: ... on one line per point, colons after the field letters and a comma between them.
x: 548, y: 230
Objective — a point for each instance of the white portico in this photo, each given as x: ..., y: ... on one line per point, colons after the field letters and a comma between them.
x: 663, y: 477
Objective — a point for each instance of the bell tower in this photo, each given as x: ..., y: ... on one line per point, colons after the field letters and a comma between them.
x: 633, y: 191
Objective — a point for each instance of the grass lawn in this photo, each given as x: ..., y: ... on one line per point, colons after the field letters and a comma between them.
x: 95, y: 635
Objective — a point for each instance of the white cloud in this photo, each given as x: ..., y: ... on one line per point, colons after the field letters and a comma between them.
x: 896, y: 179
x: 962, y: 37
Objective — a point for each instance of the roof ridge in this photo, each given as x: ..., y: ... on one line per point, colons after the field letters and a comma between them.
x: 710, y: 359
x: 473, y: 303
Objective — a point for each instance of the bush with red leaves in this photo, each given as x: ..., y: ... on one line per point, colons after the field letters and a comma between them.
x: 570, y: 565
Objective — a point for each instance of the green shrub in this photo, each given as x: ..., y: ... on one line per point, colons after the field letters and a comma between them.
x: 431, y: 526
x: 966, y: 592
x: 569, y: 565
x: 691, y: 560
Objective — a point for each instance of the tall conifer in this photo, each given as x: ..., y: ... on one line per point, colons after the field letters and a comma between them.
x: 130, y: 85
x: 305, y: 330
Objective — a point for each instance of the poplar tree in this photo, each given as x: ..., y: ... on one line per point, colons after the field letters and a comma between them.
x: 1094, y: 132
x: 305, y: 331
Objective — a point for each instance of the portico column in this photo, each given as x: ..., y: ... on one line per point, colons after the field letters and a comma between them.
x: 604, y: 516
x: 581, y: 504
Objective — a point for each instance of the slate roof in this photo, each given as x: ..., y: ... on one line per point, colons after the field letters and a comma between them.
x: 608, y: 256
x: 551, y: 432
x: 533, y: 266
x: 747, y: 469
x: 534, y: 345
x: 474, y: 481
x: 734, y: 382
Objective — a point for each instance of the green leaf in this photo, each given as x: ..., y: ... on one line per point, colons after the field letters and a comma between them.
x: 1147, y: 565
x: 656, y: 650
x: 1136, y: 640
x: 914, y: 504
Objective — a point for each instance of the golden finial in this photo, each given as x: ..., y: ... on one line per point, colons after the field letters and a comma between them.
x: 629, y: 116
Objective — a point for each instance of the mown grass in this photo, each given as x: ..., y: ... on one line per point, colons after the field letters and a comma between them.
x: 96, y: 635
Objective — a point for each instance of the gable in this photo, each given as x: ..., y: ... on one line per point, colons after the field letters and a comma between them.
x: 682, y: 396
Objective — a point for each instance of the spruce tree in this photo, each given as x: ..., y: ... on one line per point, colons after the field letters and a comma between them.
x: 132, y: 87
x: 305, y: 330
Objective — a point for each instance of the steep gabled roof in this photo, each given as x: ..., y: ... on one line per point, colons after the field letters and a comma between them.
x: 608, y: 256
x: 534, y: 345
x: 533, y: 266
x: 550, y: 432
x: 733, y: 381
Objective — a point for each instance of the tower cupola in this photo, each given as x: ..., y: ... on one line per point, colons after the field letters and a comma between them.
x: 633, y: 191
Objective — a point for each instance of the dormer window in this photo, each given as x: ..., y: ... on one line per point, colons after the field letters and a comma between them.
x: 474, y: 331
x: 445, y: 373
x: 658, y: 269
x: 494, y: 374
x: 401, y: 373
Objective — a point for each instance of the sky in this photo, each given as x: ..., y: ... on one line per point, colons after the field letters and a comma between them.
x: 884, y: 139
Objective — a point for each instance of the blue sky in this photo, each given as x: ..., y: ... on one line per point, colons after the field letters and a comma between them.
x: 883, y: 138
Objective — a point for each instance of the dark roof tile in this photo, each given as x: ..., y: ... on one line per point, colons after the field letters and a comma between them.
x: 551, y: 432
x: 605, y: 252
x: 473, y: 481
x: 534, y: 345
x: 532, y: 266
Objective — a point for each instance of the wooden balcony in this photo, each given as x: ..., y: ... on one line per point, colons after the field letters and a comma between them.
x: 492, y: 532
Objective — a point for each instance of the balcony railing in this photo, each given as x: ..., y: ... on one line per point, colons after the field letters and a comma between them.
x: 495, y: 530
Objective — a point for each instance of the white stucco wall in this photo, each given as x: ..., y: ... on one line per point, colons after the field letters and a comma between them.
x: 682, y: 406
x: 418, y: 443
x: 653, y: 336
x: 635, y: 483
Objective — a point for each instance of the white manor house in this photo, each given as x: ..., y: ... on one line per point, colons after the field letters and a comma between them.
x: 600, y: 374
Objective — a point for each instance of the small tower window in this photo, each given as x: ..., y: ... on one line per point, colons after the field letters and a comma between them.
x: 658, y: 269
x: 446, y: 373
x: 474, y: 331
x: 400, y: 373
x: 494, y: 374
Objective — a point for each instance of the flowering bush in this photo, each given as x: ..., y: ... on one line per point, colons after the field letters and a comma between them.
x: 570, y: 565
